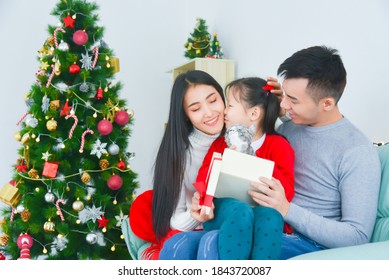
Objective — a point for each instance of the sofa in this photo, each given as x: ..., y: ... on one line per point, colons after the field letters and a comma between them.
x: 377, y: 249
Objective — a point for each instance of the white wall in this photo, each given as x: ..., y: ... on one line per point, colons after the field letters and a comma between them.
x: 148, y: 37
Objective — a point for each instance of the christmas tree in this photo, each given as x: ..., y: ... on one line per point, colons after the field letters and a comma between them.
x: 72, y: 185
x: 198, y: 44
x: 215, y: 50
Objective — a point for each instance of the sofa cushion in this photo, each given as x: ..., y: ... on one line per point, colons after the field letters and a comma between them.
x: 367, y: 251
x: 381, y: 229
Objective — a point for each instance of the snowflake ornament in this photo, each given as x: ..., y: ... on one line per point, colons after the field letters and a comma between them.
x: 100, y: 238
x: 60, y: 145
x: 84, y: 87
x: 29, y: 102
x: 60, y: 243
x: 86, y: 61
x: 45, y: 104
x: 88, y: 214
x: 120, y: 218
x: 62, y: 87
x: 99, y: 148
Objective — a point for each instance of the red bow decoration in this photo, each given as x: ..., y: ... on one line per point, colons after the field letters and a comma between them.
x: 205, y: 199
x: 268, y: 87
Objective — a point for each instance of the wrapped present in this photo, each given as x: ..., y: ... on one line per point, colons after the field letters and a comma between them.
x: 10, y: 195
x: 50, y: 169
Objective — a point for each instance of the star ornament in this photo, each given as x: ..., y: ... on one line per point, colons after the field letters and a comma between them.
x: 22, y: 167
x: 65, y: 109
x: 44, y: 65
x: 102, y: 222
x: 46, y: 156
x: 69, y: 21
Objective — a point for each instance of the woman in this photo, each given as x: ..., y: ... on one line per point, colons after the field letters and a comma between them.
x: 196, y: 119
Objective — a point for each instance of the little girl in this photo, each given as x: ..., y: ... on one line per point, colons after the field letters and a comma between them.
x: 242, y: 231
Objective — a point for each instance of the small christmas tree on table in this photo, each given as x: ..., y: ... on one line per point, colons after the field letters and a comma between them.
x: 215, y: 50
x: 198, y: 44
x: 72, y: 184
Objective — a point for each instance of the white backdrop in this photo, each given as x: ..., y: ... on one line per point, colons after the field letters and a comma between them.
x: 148, y: 36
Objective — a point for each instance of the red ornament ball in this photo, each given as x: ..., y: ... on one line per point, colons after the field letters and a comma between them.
x: 80, y: 37
x: 122, y: 117
x: 121, y: 165
x: 74, y: 69
x: 25, y: 239
x: 115, y: 182
x: 2, y: 257
x: 104, y: 127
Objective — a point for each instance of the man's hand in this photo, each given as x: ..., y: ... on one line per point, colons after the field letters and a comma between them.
x: 277, y: 91
x: 277, y: 86
x: 270, y: 193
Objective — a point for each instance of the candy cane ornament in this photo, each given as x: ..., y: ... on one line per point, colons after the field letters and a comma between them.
x: 74, y: 125
x: 59, y: 208
x: 13, y: 211
x: 83, y: 139
x: 22, y: 118
x: 95, y: 52
x: 51, y: 76
x: 55, y: 35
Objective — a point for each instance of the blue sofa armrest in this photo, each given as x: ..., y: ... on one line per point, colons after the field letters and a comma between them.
x: 135, y: 245
x: 369, y: 251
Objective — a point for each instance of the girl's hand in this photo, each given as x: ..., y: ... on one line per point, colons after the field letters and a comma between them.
x: 198, y: 212
x: 270, y: 193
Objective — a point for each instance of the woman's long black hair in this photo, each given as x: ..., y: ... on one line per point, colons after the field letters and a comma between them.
x: 169, y: 165
x: 252, y: 94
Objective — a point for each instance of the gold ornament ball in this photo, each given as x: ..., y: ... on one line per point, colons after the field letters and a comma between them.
x: 51, y: 125
x: 25, y: 138
x: 78, y: 205
x: 17, y: 136
x: 49, y: 226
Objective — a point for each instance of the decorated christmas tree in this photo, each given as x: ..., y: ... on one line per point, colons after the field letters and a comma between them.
x: 72, y: 184
x: 215, y: 50
x: 198, y: 43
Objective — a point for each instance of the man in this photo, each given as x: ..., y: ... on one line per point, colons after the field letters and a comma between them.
x: 337, y: 170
